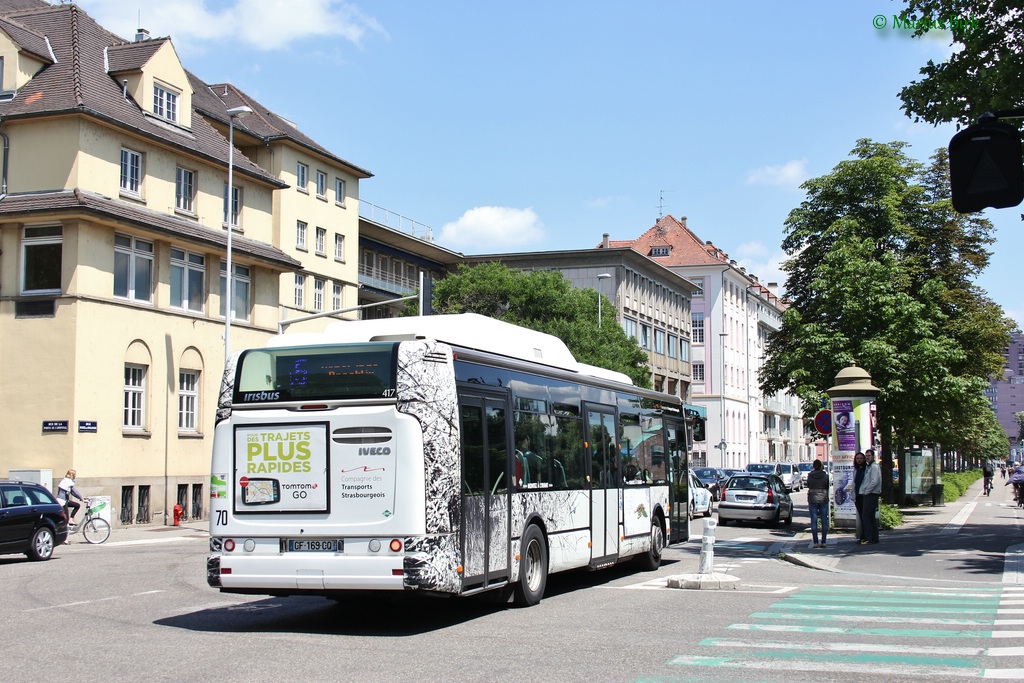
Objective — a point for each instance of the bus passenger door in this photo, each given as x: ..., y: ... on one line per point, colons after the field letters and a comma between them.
x: 678, y: 466
x: 605, y: 478
x: 484, y: 530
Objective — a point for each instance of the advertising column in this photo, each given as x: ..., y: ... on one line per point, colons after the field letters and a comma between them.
x: 851, y: 432
x: 851, y: 399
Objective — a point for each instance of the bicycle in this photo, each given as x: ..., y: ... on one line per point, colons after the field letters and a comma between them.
x: 988, y: 486
x: 94, y: 528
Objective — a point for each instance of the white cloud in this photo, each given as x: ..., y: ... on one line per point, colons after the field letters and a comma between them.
x: 763, y: 261
x: 493, y: 228
x: 263, y: 25
x: 790, y: 174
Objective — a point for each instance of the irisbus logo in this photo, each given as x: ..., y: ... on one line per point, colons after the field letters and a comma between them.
x: 251, y: 396
x: 375, y: 450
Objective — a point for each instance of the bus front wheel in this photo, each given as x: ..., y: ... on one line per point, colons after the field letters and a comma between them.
x: 533, y: 567
x: 651, y: 560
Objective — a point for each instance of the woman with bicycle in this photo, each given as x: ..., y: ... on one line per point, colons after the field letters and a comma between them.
x: 66, y: 493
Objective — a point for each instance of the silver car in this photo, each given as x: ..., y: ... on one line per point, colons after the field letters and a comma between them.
x: 755, y: 497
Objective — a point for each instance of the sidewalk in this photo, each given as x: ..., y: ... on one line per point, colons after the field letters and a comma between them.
x: 155, y: 532
x: 915, y: 520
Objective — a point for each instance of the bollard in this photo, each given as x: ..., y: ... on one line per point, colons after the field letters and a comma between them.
x: 707, y: 548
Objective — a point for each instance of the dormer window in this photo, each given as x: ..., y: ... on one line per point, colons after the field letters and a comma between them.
x: 165, y: 103
x: 660, y: 251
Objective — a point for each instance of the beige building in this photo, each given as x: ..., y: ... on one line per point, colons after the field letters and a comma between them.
x: 113, y: 238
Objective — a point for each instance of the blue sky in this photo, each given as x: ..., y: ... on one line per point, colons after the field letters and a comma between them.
x: 542, y: 125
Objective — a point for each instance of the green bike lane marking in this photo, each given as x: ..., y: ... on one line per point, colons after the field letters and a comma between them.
x: 887, y: 632
x: 867, y: 618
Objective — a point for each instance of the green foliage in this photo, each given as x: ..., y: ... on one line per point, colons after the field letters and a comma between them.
x: 545, y: 301
x: 985, y: 73
x: 1019, y: 419
x: 889, y: 516
x: 880, y: 273
x: 955, y: 484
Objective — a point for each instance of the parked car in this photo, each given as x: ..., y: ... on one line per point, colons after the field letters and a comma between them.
x: 755, y: 497
x: 790, y: 475
x: 764, y: 468
x: 805, y: 469
x: 700, y: 497
x: 31, y: 520
x: 713, y: 478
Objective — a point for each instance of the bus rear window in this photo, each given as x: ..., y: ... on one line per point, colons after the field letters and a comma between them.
x: 316, y: 373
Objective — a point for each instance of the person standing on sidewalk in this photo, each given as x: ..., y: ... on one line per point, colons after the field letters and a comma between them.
x: 817, y: 501
x: 853, y: 488
x: 870, y: 489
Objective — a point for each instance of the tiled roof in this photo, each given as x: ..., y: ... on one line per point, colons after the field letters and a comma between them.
x: 685, y: 249
x: 214, y: 101
x: 78, y: 83
x: 28, y: 40
x: 132, y: 56
x: 23, y: 206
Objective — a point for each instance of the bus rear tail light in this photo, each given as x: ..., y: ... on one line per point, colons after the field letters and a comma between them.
x: 229, y: 545
x: 396, y: 545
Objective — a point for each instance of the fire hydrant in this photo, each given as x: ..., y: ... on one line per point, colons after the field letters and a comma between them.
x: 178, y: 512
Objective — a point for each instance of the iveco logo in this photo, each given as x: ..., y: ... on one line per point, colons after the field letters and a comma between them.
x: 385, y: 450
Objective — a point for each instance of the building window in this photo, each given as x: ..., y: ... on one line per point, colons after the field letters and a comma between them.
x: 184, y: 189
x: 300, y: 235
x: 41, y: 255
x: 134, y: 416
x: 188, y: 400
x: 697, y: 372
x: 188, y: 280
x: 339, y: 192
x: 339, y: 247
x: 645, y: 337
x: 336, y: 297
x: 321, y: 185
x: 699, y: 283
x: 660, y: 251
x: 133, y: 268
x: 241, y: 282
x: 300, y: 290
x: 659, y: 341
x: 629, y: 325
x: 131, y: 171
x: 321, y: 241
x: 318, y: 295
x: 236, y: 204
x: 673, y: 346
x: 684, y: 350
x: 698, y: 328
x: 165, y: 103
x: 301, y: 177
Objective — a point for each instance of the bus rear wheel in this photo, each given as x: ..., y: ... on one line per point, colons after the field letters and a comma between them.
x: 533, y: 568
x: 651, y: 560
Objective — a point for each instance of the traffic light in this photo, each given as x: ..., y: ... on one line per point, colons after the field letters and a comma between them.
x: 985, y: 166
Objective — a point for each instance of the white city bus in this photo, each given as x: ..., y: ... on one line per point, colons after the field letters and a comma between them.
x: 451, y: 454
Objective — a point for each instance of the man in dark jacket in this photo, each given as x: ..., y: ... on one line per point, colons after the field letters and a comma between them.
x: 818, y: 502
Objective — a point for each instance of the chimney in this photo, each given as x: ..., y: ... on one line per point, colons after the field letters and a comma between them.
x: 773, y: 287
x: 141, y: 35
x: 604, y: 241
x: 682, y: 221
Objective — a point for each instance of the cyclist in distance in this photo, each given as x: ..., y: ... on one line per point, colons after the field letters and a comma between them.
x: 989, y: 471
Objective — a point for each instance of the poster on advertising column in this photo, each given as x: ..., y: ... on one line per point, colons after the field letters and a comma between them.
x: 845, y: 443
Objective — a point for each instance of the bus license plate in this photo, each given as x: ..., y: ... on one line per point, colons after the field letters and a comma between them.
x: 315, y: 545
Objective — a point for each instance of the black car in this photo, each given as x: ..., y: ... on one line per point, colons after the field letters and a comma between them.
x: 31, y: 520
x: 713, y: 479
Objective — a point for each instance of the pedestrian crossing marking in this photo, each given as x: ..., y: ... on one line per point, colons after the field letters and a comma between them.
x: 965, y: 614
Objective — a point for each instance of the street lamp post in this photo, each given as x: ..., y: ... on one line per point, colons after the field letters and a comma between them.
x: 229, y: 305
x: 601, y: 276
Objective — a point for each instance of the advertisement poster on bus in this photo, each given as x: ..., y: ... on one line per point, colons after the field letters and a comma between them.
x: 281, y: 468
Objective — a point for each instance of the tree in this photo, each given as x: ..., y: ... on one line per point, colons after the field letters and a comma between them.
x: 986, y: 74
x: 545, y: 301
x: 1019, y: 419
x: 879, y: 273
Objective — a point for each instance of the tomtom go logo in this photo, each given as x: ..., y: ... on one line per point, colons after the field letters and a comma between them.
x: 376, y: 450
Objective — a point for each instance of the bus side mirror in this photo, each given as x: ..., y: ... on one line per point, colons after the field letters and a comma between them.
x: 698, y: 429
x: 985, y: 166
